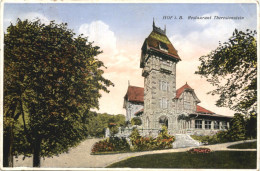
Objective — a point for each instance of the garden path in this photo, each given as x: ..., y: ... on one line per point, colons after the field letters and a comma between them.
x: 79, y: 157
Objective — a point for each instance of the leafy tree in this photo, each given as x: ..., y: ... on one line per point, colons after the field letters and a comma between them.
x: 51, y: 81
x: 251, y: 126
x: 99, y: 122
x: 237, y: 129
x: 232, y: 69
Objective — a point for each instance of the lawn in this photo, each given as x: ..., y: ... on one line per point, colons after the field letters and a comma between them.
x: 249, y: 145
x: 217, y: 159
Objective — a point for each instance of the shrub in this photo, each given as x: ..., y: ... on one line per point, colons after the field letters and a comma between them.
x: 199, y: 150
x: 136, y: 121
x: 111, y: 144
x: 103, y: 146
x: 163, y: 141
x: 219, y: 137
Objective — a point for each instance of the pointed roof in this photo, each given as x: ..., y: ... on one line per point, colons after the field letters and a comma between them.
x: 157, y: 40
x: 181, y: 90
x: 184, y: 88
x: 135, y: 94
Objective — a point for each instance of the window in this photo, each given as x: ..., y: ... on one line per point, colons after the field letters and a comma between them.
x: 216, y: 124
x: 198, y: 124
x: 164, y: 103
x: 148, y: 104
x: 224, y: 125
x: 207, y: 124
x: 163, y: 85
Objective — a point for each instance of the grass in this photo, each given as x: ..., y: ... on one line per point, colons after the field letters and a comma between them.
x: 217, y: 160
x: 249, y: 145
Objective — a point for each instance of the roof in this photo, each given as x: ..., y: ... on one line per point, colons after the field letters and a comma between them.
x: 181, y: 90
x: 139, y: 112
x: 200, y: 109
x: 205, y: 112
x: 157, y: 39
x: 135, y: 94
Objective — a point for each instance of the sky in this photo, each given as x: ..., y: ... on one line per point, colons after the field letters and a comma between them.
x: 120, y: 30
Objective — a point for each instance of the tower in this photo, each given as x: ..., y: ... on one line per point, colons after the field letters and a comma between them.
x: 158, y: 63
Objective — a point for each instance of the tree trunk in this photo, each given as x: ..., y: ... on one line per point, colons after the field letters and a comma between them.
x: 8, y: 147
x: 36, y: 153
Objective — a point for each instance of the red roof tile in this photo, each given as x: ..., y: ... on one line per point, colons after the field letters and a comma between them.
x: 135, y: 94
x: 180, y: 90
x: 200, y: 109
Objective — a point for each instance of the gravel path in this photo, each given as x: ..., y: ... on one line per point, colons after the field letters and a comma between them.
x: 79, y: 157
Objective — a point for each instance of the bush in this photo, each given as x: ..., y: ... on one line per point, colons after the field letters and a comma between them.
x: 163, y: 141
x: 136, y: 121
x: 103, y: 146
x: 219, y: 137
x: 111, y: 144
x: 199, y: 150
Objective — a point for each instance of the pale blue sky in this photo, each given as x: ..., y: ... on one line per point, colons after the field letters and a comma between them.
x: 120, y: 30
x: 129, y: 19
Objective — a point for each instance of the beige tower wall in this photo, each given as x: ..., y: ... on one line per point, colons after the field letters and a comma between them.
x: 159, y: 90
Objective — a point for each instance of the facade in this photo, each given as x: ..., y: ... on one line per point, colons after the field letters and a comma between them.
x: 159, y: 102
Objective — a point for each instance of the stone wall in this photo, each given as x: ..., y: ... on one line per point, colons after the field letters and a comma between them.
x: 131, y: 109
x: 159, y: 89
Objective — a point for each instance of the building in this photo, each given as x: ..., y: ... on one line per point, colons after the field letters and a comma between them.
x: 159, y: 102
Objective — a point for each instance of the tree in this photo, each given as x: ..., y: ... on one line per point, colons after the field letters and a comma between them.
x: 251, y: 126
x: 237, y: 129
x: 232, y: 69
x: 99, y: 122
x: 51, y: 81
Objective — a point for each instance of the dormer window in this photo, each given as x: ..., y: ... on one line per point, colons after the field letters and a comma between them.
x: 163, y: 46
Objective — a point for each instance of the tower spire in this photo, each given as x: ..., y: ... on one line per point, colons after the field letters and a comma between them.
x: 153, y: 22
x: 165, y: 29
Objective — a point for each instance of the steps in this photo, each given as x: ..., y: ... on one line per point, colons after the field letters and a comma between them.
x: 184, y: 140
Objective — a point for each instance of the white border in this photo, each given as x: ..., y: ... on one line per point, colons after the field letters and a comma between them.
x: 119, y: 1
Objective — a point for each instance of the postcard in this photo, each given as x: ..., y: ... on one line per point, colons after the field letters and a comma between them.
x: 146, y: 85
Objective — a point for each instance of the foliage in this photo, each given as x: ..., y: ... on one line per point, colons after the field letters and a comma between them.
x: 214, y: 160
x: 111, y: 144
x: 199, y: 150
x: 251, y: 126
x: 163, y: 141
x: 237, y: 129
x: 99, y: 122
x: 51, y: 81
x: 219, y: 137
x: 103, y: 146
x: 136, y: 121
x: 232, y: 69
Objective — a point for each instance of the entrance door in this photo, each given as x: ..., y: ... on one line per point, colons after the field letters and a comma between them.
x: 163, y: 120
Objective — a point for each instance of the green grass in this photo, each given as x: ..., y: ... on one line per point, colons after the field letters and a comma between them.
x: 249, y: 145
x: 218, y: 160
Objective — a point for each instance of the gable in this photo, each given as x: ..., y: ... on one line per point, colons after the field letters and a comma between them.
x: 184, y: 88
